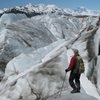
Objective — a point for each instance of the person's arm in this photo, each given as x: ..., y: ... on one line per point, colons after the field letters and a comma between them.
x: 72, y: 63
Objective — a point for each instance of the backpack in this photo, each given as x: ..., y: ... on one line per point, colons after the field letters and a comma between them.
x: 79, y: 67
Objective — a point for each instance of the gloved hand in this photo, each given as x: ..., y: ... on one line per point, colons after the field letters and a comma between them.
x: 66, y: 70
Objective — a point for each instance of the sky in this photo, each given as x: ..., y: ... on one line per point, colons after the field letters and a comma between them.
x: 72, y: 4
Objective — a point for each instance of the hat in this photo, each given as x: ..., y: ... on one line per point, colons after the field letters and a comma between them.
x: 76, y: 51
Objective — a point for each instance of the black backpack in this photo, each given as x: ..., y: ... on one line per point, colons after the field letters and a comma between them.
x: 79, y: 67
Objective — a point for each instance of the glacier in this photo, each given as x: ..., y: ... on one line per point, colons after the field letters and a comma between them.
x: 34, y: 53
x: 14, y: 37
x: 49, y: 70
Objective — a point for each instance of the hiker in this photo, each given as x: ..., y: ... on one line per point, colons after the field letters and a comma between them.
x: 74, y: 79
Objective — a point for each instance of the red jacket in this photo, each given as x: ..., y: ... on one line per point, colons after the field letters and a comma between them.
x: 72, y: 63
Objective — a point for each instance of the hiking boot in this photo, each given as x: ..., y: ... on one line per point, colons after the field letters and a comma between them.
x: 78, y: 91
x: 75, y: 91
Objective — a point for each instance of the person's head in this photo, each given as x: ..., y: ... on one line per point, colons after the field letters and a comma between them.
x: 76, y: 52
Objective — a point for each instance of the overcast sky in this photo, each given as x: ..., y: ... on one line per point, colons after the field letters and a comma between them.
x: 90, y: 4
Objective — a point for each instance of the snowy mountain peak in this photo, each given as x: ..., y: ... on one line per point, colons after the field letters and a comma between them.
x: 1, y: 11
x: 45, y: 9
x: 52, y: 6
x: 81, y: 11
x: 84, y: 11
x: 29, y: 5
x: 82, y: 8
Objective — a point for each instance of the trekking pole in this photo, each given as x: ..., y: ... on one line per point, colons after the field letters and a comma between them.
x: 62, y: 84
x: 59, y: 92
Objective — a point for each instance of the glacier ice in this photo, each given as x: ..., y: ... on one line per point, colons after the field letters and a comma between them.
x: 36, y: 69
x: 11, y: 18
x: 46, y: 74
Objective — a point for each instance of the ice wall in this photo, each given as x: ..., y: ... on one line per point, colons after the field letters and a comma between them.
x: 41, y: 75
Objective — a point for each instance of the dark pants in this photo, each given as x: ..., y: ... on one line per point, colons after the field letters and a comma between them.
x: 74, y: 81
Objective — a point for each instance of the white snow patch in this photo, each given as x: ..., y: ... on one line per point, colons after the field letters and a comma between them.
x: 89, y: 88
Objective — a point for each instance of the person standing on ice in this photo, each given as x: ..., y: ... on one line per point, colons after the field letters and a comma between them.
x: 74, y: 79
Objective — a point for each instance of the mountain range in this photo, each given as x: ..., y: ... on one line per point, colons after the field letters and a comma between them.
x: 32, y: 10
